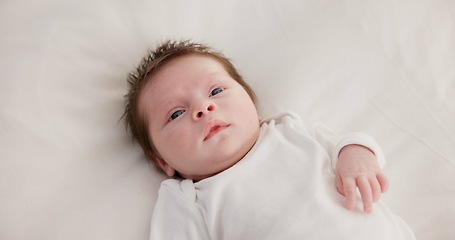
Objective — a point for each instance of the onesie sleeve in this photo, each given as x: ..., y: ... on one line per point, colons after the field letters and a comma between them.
x: 334, y: 143
x: 175, y: 215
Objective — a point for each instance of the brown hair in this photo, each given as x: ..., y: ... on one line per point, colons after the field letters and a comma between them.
x: 150, y: 64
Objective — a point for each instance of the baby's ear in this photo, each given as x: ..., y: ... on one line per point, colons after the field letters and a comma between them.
x: 164, y: 166
x: 161, y: 163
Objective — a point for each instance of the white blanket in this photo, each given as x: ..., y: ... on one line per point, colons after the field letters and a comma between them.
x: 68, y: 170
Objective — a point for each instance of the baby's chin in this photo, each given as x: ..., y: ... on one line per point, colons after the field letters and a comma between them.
x: 221, y: 156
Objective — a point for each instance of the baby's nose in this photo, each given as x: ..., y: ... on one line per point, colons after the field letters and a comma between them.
x: 204, y: 110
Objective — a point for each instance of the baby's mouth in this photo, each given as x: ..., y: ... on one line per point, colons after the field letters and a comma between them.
x: 213, y: 128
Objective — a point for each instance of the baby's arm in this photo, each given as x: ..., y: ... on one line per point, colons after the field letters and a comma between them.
x: 357, y: 167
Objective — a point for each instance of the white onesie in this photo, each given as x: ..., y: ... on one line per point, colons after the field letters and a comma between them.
x: 284, y: 188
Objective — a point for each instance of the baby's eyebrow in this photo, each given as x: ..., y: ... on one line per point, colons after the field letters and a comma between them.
x: 163, y: 109
x: 159, y: 109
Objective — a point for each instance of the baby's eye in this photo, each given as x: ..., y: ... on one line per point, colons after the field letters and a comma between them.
x: 176, y: 114
x: 215, y: 91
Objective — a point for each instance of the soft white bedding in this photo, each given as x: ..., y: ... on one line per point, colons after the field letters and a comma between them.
x: 68, y: 170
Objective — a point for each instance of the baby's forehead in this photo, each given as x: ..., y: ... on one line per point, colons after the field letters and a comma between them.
x: 186, y: 67
x: 180, y: 75
x: 197, y: 58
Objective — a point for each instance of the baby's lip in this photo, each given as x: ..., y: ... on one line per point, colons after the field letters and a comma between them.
x: 213, y: 127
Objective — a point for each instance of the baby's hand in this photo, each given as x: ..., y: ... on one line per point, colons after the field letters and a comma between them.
x: 357, y: 167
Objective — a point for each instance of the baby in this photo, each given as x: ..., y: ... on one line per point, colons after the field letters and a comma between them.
x: 237, y: 176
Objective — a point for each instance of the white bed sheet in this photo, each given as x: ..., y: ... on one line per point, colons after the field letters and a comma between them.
x: 68, y: 170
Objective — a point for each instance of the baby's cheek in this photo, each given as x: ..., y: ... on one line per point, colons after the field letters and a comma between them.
x: 182, y: 140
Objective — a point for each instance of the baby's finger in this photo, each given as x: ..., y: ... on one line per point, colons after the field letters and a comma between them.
x: 365, y: 193
x: 339, y: 183
x: 375, y: 189
x: 349, y: 189
x: 383, y: 181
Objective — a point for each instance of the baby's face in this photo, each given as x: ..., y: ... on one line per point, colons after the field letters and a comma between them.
x: 201, y: 120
